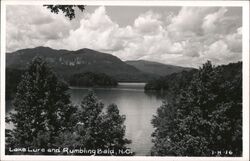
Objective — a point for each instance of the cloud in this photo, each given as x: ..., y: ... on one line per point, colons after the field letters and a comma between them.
x: 96, y: 31
x: 191, y: 48
x: 186, y: 38
x: 211, y: 21
x: 99, y: 32
x: 187, y: 22
x: 234, y: 41
x: 219, y: 53
x: 227, y: 48
x: 31, y: 26
x: 148, y: 23
x: 207, y: 33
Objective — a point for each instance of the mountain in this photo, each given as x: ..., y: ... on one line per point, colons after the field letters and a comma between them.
x: 67, y: 63
x: 176, y: 81
x: 156, y: 68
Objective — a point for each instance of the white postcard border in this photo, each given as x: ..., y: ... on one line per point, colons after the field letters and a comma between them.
x: 245, y: 59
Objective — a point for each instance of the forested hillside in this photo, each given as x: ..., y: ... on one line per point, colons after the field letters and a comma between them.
x: 90, y: 79
x: 156, y: 68
x: 181, y: 80
x: 171, y: 82
x: 66, y: 63
x: 205, y: 115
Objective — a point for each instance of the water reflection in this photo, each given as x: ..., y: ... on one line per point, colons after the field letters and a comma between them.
x: 138, y: 106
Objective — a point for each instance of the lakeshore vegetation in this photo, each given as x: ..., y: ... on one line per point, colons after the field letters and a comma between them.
x: 204, y: 114
x: 45, y: 118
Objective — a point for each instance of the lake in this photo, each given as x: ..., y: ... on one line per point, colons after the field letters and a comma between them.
x: 138, y: 107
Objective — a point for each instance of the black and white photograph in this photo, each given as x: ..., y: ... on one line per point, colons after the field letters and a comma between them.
x: 124, y: 80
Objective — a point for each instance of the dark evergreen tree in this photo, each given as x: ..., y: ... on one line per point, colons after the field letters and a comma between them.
x: 42, y: 109
x: 205, y: 117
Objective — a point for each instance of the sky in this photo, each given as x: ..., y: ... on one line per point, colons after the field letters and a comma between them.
x: 184, y: 36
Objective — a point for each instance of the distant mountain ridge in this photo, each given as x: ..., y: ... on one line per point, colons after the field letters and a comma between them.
x: 66, y: 63
x: 156, y: 68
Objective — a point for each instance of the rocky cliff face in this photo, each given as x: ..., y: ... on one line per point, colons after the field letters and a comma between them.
x: 66, y: 63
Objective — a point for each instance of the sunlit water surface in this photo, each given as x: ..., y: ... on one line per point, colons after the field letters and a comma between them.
x: 137, y: 106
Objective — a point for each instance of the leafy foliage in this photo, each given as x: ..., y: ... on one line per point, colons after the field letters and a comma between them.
x: 12, y: 79
x: 97, y: 129
x: 114, y: 136
x: 90, y: 119
x: 90, y: 79
x: 68, y: 10
x: 206, y: 116
x: 42, y: 108
x: 171, y: 82
x: 45, y: 118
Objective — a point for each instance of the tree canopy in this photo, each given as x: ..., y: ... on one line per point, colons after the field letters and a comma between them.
x: 90, y: 79
x: 100, y: 128
x: 44, y: 117
x: 42, y: 108
x: 68, y: 10
x: 204, y: 117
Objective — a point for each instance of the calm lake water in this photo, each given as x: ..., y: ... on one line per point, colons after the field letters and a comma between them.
x: 138, y: 107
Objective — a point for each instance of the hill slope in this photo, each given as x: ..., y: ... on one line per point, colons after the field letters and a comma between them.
x: 66, y: 63
x: 156, y: 68
x: 177, y: 81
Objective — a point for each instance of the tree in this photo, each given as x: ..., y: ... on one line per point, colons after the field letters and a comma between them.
x: 164, y: 122
x: 205, y: 117
x: 113, y: 129
x: 68, y: 10
x: 98, y: 129
x: 12, y: 79
x: 42, y: 109
x: 89, y: 121
x: 89, y: 79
